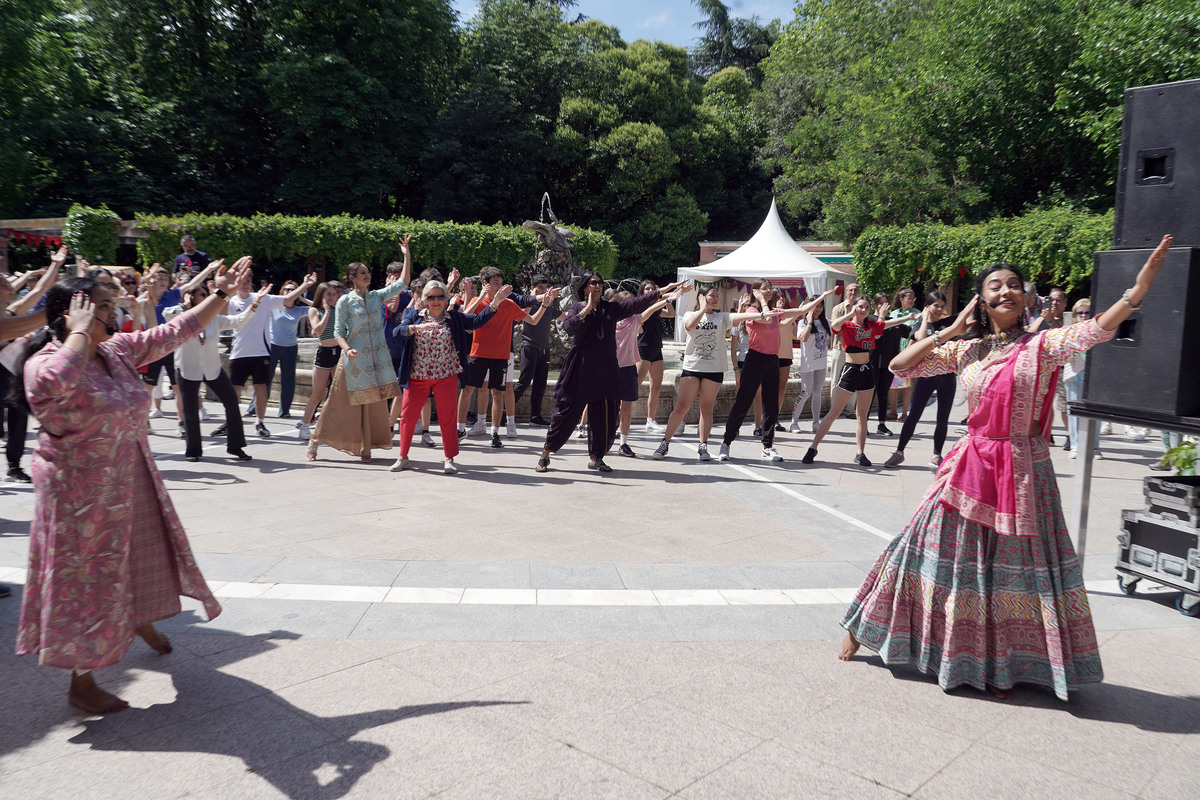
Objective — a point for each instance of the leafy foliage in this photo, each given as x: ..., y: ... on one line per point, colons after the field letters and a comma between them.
x: 92, y: 232
x: 732, y: 42
x: 956, y: 111
x: 343, y: 239
x: 1053, y: 248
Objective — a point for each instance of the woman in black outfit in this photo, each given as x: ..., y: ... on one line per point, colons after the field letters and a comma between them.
x: 933, y: 320
x: 887, y: 347
x: 650, y: 354
x: 590, y: 377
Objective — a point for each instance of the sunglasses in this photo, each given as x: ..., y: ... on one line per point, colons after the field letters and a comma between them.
x: 436, y: 297
x: 595, y: 283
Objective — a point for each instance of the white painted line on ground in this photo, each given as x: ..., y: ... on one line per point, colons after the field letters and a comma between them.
x: 814, y: 503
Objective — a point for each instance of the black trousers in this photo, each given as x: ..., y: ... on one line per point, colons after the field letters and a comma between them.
x: 759, y: 370
x: 883, y: 385
x: 16, y: 423
x: 603, y: 415
x: 535, y: 369
x: 923, y: 389
x: 189, y: 399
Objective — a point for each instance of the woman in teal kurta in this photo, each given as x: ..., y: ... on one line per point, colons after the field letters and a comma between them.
x: 355, y: 418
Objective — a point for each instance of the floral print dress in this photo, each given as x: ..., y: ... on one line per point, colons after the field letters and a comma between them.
x: 107, y: 552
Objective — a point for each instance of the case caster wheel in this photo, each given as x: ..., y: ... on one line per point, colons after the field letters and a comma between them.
x: 1127, y: 585
x: 1187, y: 605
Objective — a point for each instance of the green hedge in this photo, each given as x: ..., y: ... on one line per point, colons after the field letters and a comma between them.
x: 341, y: 240
x: 92, y: 233
x: 1053, y: 248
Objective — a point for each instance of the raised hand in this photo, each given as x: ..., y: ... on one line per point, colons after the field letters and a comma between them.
x: 965, y: 319
x: 80, y: 313
x: 504, y: 292
x: 228, y: 280
x: 404, y: 243
x: 263, y: 292
x: 59, y: 258
x: 309, y: 280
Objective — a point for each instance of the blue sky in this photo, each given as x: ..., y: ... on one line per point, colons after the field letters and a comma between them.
x: 668, y: 20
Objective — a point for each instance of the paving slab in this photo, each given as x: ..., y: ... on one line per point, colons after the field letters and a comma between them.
x: 667, y: 630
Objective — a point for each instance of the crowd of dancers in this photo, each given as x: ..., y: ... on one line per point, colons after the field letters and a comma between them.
x: 981, y: 588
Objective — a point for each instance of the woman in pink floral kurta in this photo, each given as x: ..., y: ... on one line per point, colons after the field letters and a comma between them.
x: 108, y: 555
x: 983, y: 587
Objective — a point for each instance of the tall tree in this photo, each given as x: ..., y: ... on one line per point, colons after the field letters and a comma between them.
x: 726, y: 41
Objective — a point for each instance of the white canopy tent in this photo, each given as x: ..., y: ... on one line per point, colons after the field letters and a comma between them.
x: 770, y: 253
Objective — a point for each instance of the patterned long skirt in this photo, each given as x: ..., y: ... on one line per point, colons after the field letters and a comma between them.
x: 961, y: 602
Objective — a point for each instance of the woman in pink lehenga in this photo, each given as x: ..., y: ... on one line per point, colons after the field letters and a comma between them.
x: 983, y: 587
x: 108, y: 556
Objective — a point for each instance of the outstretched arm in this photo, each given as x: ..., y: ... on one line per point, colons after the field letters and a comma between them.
x: 48, y: 279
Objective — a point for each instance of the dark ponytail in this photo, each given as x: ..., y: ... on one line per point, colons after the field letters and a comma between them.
x: 58, y: 302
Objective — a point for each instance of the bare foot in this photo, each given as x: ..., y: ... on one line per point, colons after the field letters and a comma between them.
x: 1000, y: 694
x: 311, y: 453
x: 849, y: 648
x: 154, y: 639
x: 87, y: 695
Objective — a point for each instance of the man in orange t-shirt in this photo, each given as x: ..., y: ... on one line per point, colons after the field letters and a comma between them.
x: 491, y: 347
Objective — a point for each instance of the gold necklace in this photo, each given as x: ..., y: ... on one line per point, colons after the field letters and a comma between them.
x: 994, y: 342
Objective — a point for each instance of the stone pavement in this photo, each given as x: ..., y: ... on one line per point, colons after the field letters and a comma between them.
x: 666, y: 630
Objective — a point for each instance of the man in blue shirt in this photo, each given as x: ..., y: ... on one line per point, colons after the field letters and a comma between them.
x: 190, y: 260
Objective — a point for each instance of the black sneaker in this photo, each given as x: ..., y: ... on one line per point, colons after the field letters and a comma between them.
x: 626, y: 450
x: 758, y: 433
x: 541, y: 423
x: 17, y: 475
x: 496, y: 443
x: 883, y: 430
x: 220, y: 430
x: 862, y: 460
x: 240, y: 455
x: 261, y: 430
x: 779, y: 428
x: 471, y: 417
x: 810, y: 456
x: 1067, y: 443
x: 5, y: 590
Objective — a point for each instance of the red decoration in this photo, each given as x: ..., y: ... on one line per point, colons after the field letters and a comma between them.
x: 962, y: 272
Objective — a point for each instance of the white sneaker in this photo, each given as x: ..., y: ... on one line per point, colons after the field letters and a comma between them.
x: 682, y: 429
x: 581, y: 432
x: 703, y: 452
x: 400, y: 465
x: 653, y: 427
x: 156, y: 413
x: 478, y: 429
x: 1073, y: 454
x: 427, y: 439
x: 1105, y: 428
x: 1135, y: 434
x: 724, y: 454
x: 419, y: 428
x: 794, y: 427
x: 450, y: 468
x: 512, y: 429
x: 203, y: 414
x: 168, y: 395
x: 303, y: 431
x: 770, y: 454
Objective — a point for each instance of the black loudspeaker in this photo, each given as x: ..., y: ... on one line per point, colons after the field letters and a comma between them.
x: 1153, y: 362
x: 1158, y: 188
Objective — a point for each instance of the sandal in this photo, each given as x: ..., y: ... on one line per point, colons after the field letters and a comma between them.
x: 599, y: 465
x: 310, y: 454
x: 543, y: 465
